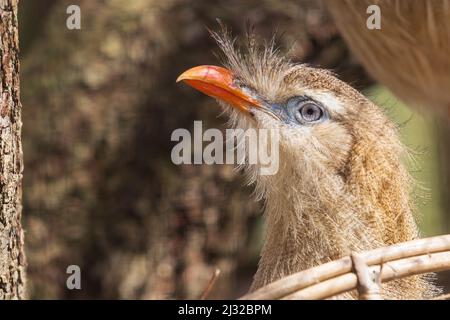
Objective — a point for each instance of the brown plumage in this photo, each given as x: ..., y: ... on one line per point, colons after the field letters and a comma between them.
x: 409, y: 54
x: 340, y: 186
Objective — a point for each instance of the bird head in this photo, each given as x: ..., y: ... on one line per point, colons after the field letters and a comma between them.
x: 334, y: 144
x: 340, y: 185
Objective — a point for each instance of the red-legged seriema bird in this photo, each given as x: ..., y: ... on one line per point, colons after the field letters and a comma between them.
x: 340, y: 186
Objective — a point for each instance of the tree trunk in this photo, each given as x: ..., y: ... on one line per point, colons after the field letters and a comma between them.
x: 12, y: 258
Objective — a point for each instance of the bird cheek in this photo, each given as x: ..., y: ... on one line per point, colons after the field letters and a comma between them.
x: 336, y: 142
x: 295, y: 142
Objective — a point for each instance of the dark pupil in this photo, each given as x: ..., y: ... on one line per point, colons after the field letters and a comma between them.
x: 311, y: 112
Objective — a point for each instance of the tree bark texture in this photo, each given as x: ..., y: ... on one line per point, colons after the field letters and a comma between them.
x: 12, y: 257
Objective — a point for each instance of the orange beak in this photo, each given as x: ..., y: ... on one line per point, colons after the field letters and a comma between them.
x: 218, y: 83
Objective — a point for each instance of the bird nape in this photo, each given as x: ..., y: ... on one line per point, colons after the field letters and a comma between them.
x: 340, y: 186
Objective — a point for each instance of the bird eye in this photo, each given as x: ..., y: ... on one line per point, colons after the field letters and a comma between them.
x: 309, y: 112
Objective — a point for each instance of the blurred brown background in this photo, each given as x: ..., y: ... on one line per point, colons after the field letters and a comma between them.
x: 99, y: 106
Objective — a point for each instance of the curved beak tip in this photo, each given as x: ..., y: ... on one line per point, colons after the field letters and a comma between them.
x: 180, y: 77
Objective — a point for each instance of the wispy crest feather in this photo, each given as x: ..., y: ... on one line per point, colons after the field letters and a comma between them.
x: 257, y: 61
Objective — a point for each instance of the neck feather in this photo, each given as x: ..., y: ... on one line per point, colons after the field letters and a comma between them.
x: 318, y: 217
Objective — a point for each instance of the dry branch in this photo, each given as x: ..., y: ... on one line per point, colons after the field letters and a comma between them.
x: 390, y: 271
x: 399, y: 260
x: 210, y: 285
